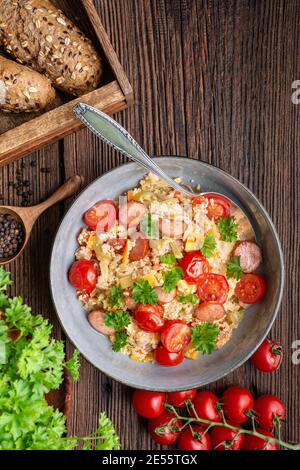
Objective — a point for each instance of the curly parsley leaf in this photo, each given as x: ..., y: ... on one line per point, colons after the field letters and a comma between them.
x: 144, y: 293
x: 171, y: 278
x: 228, y: 229
x: 117, y: 320
x: 234, y: 269
x: 168, y: 258
x: 115, y: 296
x: 188, y: 299
x: 104, y: 438
x: 208, y: 245
x: 120, y: 341
x: 5, y: 279
x: 204, y: 337
x: 149, y: 226
x: 73, y: 365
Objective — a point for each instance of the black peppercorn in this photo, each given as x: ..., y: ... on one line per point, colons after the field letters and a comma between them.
x: 11, y: 236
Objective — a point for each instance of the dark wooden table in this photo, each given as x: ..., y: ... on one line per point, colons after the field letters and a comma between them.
x: 212, y: 81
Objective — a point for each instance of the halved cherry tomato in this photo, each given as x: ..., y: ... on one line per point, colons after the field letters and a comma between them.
x: 149, y: 317
x: 102, y: 216
x: 83, y: 276
x: 194, y: 264
x: 218, y: 206
x: 193, y: 438
x: 167, y: 435
x: 178, y: 398
x: 148, y: 404
x: 118, y: 244
x: 212, y: 287
x: 268, y: 357
x: 237, y: 402
x: 250, y: 288
x: 258, y: 443
x: 139, y: 250
x: 175, y: 335
x: 206, y: 407
x: 165, y: 297
x: 226, y: 439
x: 130, y: 214
x: 167, y: 358
x: 196, y: 200
x: 269, y: 411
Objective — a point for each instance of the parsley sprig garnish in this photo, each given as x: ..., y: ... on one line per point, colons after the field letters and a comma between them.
x: 204, y: 337
x: 120, y: 341
x: 144, y: 293
x: 171, y: 278
x: 188, y: 299
x: 115, y: 296
x: 168, y: 258
x: 208, y: 245
x: 228, y: 229
x: 118, y: 320
x: 234, y: 269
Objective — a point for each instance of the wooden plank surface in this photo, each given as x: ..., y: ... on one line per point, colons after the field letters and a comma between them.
x: 212, y: 80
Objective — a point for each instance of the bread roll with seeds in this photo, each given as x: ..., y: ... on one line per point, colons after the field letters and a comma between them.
x: 38, y: 34
x: 23, y: 89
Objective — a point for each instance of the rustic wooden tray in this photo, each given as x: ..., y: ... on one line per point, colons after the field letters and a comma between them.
x: 24, y: 133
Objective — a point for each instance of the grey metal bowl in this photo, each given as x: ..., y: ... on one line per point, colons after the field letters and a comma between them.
x: 96, y: 348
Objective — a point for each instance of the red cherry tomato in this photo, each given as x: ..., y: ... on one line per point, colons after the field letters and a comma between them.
x: 148, y: 404
x: 269, y: 411
x: 192, y: 438
x: 257, y: 443
x: 166, y: 358
x: 236, y: 403
x: 226, y: 438
x: 165, y: 436
x: 178, y: 398
x: 268, y: 357
x: 175, y: 335
x: 213, y: 287
x: 149, y: 317
x: 196, y: 200
x: 194, y: 264
x: 250, y: 288
x: 102, y: 216
x: 218, y: 206
x: 206, y: 407
x: 118, y: 244
x: 139, y: 250
x: 83, y: 275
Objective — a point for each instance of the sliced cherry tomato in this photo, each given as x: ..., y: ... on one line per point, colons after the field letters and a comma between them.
x: 149, y: 317
x: 226, y: 439
x: 257, y: 443
x: 148, y: 404
x: 268, y: 357
x: 139, y: 250
x: 206, y: 407
x: 237, y: 402
x: 118, y: 244
x: 130, y: 214
x: 194, y: 264
x: 167, y: 435
x: 178, y: 398
x: 165, y: 297
x: 83, y: 275
x: 166, y: 358
x: 213, y: 287
x: 102, y: 216
x: 269, y: 411
x: 218, y: 206
x: 175, y: 335
x: 250, y: 288
x: 194, y: 438
x: 196, y: 200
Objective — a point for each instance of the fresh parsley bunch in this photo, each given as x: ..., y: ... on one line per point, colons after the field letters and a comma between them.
x: 31, y: 364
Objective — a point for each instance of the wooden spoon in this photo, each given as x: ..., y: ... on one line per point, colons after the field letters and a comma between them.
x: 27, y: 216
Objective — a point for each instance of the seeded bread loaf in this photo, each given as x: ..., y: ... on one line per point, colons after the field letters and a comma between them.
x: 23, y: 89
x: 37, y: 34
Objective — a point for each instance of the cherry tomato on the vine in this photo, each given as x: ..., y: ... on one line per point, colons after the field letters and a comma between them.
x: 160, y: 428
x: 177, y: 399
x: 148, y: 404
x: 206, y: 407
x: 236, y: 402
x: 194, y: 438
x: 226, y: 438
x: 269, y: 411
x: 257, y: 443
